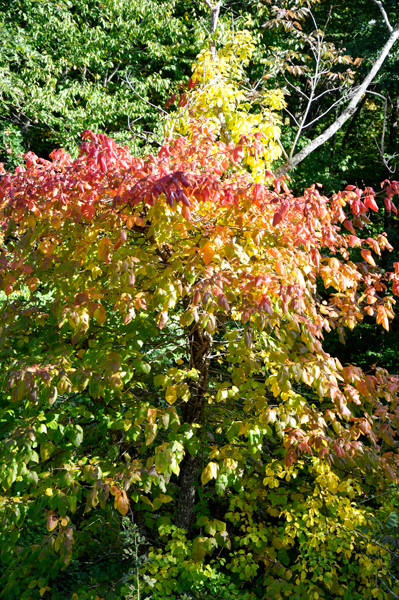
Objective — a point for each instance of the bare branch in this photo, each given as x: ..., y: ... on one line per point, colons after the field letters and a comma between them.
x: 381, y: 148
x: 292, y: 116
x: 394, y: 491
x: 347, y: 113
x: 127, y: 80
x: 146, y: 138
x: 209, y: 5
x: 296, y: 88
x: 371, y: 541
x: 384, y: 14
x: 387, y: 588
x: 328, y: 110
x: 330, y: 90
x: 107, y: 80
x: 313, y: 81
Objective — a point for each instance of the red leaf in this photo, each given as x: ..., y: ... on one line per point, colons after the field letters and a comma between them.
x: 369, y: 202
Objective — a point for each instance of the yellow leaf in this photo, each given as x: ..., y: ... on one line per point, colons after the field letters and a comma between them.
x: 207, y: 252
x: 44, y: 589
x: 210, y: 472
x: 171, y: 394
x: 165, y: 499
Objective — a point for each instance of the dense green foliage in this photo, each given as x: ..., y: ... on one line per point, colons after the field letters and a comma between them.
x: 64, y: 67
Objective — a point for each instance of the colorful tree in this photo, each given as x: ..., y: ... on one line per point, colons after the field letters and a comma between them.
x: 162, y: 357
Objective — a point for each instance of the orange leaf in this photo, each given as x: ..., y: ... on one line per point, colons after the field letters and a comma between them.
x: 121, y: 502
x: 280, y: 268
x: 162, y: 319
x: 207, y: 253
x: 367, y: 257
x: 103, y: 249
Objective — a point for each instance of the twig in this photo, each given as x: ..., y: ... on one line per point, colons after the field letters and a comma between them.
x: 141, y: 97
x: 146, y: 138
x: 377, y: 496
x: 387, y: 588
x: 376, y: 543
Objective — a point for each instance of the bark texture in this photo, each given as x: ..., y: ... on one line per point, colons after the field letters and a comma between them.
x: 193, y: 412
x: 189, y: 471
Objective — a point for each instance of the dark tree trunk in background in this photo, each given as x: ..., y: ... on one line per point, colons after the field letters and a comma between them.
x: 193, y: 412
x: 189, y: 471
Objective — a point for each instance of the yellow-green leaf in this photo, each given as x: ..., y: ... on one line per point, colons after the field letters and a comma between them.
x: 100, y: 315
x: 46, y: 450
x: 150, y: 432
x: 164, y: 498
x: 171, y: 394
x: 210, y: 472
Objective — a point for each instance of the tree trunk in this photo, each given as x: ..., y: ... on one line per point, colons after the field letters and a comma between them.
x: 189, y: 471
x: 193, y: 412
x: 347, y: 113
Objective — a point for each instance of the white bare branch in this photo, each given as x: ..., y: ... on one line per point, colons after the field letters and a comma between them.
x: 384, y: 14
x: 292, y: 116
x: 339, y: 101
x: 296, y: 88
x: 346, y: 114
x: 127, y: 80
x: 329, y: 91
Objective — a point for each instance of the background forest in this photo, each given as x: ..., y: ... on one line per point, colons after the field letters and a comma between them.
x: 149, y: 414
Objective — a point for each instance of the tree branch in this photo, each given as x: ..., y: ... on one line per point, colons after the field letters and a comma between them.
x: 384, y: 14
x: 127, y: 80
x: 346, y: 114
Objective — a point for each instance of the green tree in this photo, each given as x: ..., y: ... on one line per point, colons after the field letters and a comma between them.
x: 65, y: 67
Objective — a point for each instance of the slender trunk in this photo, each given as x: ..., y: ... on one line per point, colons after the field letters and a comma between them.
x: 346, y: 114
x: 193, y: 412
